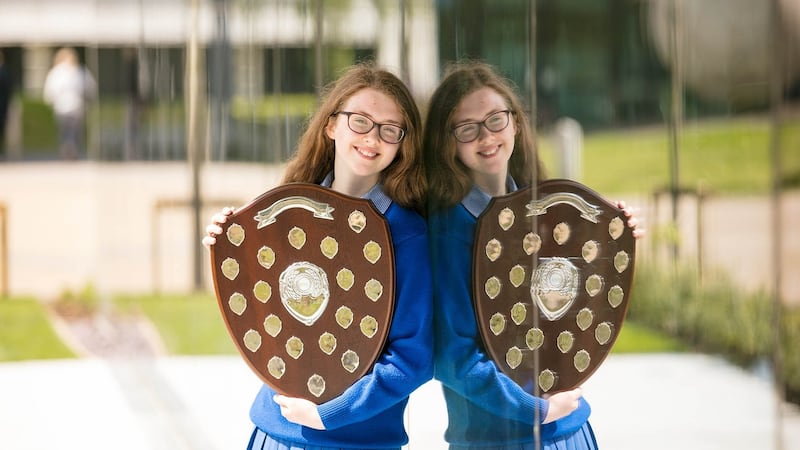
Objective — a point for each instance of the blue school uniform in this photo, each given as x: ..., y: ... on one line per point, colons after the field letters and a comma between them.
x: 486, y: 409
x: 369, y: 414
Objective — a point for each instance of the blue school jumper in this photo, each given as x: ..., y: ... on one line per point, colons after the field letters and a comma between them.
x: 485, y: 408
x: 369, y: 414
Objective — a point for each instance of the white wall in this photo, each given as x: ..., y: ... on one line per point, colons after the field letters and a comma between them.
x: 72, y: 224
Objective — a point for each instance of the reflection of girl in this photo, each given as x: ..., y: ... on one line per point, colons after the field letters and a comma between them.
x: 478, y: 144
x: 363, y: 141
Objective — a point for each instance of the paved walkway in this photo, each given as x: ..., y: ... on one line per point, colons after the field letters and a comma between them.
x: 658, y: 401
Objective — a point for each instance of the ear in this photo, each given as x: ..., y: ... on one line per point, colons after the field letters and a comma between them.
x: 330, y: 127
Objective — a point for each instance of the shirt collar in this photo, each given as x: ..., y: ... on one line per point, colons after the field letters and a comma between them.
x: 375, y: 195
x: 476, y: 200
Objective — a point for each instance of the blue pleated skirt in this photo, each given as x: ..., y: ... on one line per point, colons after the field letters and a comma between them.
x: 582, y: 439
x: 262, y: 441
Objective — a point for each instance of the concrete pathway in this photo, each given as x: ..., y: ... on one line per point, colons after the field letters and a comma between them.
x: 659, y: 401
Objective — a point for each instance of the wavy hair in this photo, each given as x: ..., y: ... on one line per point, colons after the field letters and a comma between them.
x: 404, y: 179
x: 449, y: 179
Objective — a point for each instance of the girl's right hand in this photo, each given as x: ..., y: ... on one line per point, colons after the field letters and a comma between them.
x: 214, y: 229
x: 562, y: 404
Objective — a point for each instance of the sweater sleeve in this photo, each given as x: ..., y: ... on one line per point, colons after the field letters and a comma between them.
x: 407, y: 359
x: 460, y: 362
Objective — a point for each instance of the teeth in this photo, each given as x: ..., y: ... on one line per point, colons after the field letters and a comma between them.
x: 366, y: 153
x: 489, y: 153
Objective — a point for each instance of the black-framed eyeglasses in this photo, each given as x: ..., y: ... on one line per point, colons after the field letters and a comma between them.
x: 361, y: 124
x: 496, y: 121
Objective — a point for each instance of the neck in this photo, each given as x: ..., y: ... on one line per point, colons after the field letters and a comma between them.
x: 352, y: 185
x: 493, y: 185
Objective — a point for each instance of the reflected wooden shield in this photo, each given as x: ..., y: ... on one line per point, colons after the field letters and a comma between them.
x: 552, y: 274
x: 304, y: 278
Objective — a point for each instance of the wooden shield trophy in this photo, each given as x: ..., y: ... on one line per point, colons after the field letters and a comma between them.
x: 552, y: 275
x: 304, y: 278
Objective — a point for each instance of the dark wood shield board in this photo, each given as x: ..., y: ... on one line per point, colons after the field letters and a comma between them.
x: 304, y: 278
x: 552, y: 276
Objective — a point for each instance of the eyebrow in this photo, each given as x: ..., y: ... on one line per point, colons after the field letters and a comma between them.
x: 466, y: 121
x: 390, y: 121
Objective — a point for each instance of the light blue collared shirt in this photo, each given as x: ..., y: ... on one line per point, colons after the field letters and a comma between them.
x: 375, y: 195
x: 476, y: 200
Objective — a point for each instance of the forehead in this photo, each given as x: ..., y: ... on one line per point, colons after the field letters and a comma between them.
x: 378, y: 105
x: 477, y: 104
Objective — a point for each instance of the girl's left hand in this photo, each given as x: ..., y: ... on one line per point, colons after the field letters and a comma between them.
x: 299, y: 411
x: 214, y: 229
x: 633, y: 222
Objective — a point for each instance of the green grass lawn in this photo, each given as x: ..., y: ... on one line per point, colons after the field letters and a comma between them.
x: 729, y: 156
x: 192, y: 325
x: 189, y: 324
x: 635, y: 338
x: 26, y: 333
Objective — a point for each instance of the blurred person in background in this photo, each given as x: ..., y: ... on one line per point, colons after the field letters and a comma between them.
x: 68, y: 88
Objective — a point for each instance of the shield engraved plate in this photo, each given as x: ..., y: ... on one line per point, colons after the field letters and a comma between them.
x: 304, y: 278
x: 552, y: 275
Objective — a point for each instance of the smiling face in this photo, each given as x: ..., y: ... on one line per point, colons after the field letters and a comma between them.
x: 360, y: 158
x: 487, y: 156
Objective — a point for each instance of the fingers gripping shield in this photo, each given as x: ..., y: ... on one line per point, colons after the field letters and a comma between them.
x: 304, y: 278
x: 552, y: 275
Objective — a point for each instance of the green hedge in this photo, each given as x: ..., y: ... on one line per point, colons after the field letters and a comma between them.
x: 716, y: 316
x: 39, y: 131
x: 791, y: 357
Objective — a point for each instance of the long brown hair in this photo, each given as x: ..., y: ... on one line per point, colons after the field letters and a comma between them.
x: 404, y: 179
x: 449, y: 179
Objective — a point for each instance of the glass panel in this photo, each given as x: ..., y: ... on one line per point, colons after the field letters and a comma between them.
x: 687, y: 110
x: 658, y: 103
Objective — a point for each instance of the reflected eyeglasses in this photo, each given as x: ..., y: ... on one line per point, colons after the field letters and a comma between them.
x: 468, y: 132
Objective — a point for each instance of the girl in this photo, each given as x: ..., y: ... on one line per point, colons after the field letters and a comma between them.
x: 478, y: 144
x: 363, y: 141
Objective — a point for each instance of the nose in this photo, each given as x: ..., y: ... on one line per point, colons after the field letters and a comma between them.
x: 484, y: 132
x: 372, y: 135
